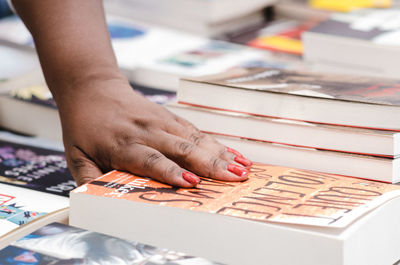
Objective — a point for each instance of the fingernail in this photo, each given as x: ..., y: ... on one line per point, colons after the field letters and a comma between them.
x: 238, y: 170
x: 190, y: 177
x: 233, y: 151
x: 244, y: 161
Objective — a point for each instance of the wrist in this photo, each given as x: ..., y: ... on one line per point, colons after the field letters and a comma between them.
x: 86, y: 83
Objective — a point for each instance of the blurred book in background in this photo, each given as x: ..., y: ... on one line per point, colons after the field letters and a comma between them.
x: 364, y: 42
x: 349, y: 5
x: 203, y: 17
x: 57, y: 243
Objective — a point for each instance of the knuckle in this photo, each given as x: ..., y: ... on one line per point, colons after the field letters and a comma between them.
x: 212, y: 166
x: 196, y: 138
x: 151, y: 160
x: 185, y: 148
x: 215, y: 163
x: 169, y: 172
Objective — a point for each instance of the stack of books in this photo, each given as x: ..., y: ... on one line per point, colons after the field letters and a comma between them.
x: 344, y: 125
x: 309, y: 134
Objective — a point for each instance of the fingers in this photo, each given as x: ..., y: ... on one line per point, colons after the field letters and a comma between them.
x: 188, y: 131
x: 145, y: 161
x: 82, y: 168
x: 203, y: 156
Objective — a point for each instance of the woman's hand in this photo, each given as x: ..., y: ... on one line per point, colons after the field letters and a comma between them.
x: 109, y: 126
x: 106, y: 125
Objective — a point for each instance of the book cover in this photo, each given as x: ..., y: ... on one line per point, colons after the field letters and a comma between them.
x: 271, y: 194
x: 306, y: 84
x: 379, y: 26
x: 18, y: 256
x: 61, y: 244
x: 19, y: 206
x: 38, y: 94
x: 35, y: 168
x: 209, y: 57
x: 282, y: 36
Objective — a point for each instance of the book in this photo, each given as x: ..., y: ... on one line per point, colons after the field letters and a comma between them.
x: 346, y: 164
x: 321, y: 98
x: 367, y: 41
x: 200, y: 17
x: 17, y: 138
x: 23, y: 210
x: 35, y: 168
x: 31, y: 110
x: 276, y: 211
x: 300, y: 10
x: 282, y: 36
x: 294, y: 133
x: 347, y: 6
x: 62, y: 244
x: 205, y: 58
x: 34, y: 185
x: 157, y: 57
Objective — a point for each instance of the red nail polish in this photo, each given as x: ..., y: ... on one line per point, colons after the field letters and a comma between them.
x: 238, y: 170
x: 233, y: 151
x: 190, y: 177
x: 244, y: 161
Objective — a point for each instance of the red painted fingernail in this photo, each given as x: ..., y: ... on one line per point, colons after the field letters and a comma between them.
x: 190, y: 177
x: 244, y: 161
x: 238, y: 170
x: 233, y: 151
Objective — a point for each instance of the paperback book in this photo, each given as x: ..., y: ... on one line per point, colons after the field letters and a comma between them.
x: 308, y: 214
x: 62, y: 244
x: 206, y: 18
x: 364, y: 42
x: 34, y: 168
x: 345, y: 139
x: 333, y: 162
x: 321, y: 98
x: 282, y: 36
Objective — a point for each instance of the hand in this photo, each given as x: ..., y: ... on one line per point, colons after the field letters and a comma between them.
x: 109, y: 126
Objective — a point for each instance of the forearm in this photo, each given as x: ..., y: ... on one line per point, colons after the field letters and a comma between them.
x: 105, y: 124
x: 72, y: 42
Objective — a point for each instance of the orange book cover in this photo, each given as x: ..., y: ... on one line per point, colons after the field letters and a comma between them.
x: 271, y: 194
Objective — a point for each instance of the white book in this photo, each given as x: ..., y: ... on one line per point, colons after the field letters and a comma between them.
x: 353, y: 165
x: 278, y: 216
x: 313, y: 97
x: 365, y: 41
x: 292, y: 133
x: 206, y: 17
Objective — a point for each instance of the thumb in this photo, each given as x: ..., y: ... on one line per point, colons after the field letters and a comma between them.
x: 83, y: 169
